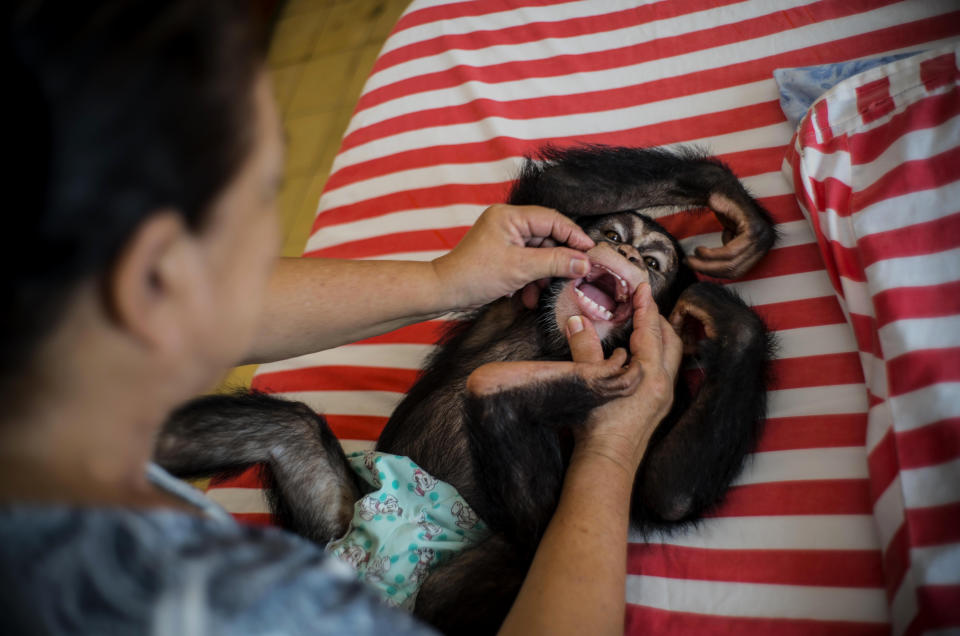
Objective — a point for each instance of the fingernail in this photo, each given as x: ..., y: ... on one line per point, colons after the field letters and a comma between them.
x: 574, y: 325
x: 579, y: 266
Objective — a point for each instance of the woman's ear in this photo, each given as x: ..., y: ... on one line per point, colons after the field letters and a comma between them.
x: 152, y: 281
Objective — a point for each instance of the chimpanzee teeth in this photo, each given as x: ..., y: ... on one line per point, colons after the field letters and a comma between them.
x: 604, y: 313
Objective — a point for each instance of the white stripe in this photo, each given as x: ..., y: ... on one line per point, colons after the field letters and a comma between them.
x: 701, y: 60
x: 779, y: 289
x: 937, y: 565
x: 856, y: 296
x: 933, y: 485
x: 550, y: 47
x: 620, y: 119
x: 356, y: 445
x: 926, y: 406
x: 404, y: 221
x: 804, y: 465
x: 820, y: 400
x: 758, y: 599
x: 426, y: 177
x: 774, y: 532
x: 400, y: 356
x: 914, y: 271
x: 879, y: 421
x: 815, y: 341
x: 922, y: 144
x: 493, y: 21
x: 916, y: 334
x: 374, y: 403
x: 888, y: 511
x: 408, y: 256
x: 242, y: 500
x: 890, y: 214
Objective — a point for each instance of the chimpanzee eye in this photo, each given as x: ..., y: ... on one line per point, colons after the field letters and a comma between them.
x: 613, y: 236
x: 652, y: 263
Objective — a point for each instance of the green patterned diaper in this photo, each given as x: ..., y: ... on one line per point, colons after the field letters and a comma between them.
x: 410, y: 523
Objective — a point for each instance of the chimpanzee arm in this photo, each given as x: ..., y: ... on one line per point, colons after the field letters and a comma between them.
x: 690, y: 465
x: 591, y: 180
x: 314, y: 487
x: 513, y: 436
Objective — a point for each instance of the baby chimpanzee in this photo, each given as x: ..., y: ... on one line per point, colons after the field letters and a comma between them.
x: 504, y: 449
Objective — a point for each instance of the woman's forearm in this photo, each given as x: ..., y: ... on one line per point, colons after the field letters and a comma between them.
x: 576, y: 582
x: 314, y: 304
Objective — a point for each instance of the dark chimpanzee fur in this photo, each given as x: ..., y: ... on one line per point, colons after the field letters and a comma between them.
x: 506, y: 452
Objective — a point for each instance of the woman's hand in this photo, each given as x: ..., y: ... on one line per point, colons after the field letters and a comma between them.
x: 621, y: 428
x: 497, y: 256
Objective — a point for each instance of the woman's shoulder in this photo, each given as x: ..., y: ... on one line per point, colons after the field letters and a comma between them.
x: 99, y: 570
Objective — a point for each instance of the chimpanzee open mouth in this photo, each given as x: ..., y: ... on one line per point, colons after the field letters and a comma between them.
x: 604, y: 295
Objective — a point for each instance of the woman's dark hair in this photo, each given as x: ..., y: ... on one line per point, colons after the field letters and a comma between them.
x: 121, y: 108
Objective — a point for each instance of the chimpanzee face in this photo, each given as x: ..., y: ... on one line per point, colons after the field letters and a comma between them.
x: 630, y: 249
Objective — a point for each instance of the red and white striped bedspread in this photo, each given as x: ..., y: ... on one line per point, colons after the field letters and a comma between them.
x: 878, y: 167
x: 463, y: 89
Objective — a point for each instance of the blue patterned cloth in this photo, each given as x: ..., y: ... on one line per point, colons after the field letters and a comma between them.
x: 66, y: 570
x: 409, y: 524
x: 800, y: 87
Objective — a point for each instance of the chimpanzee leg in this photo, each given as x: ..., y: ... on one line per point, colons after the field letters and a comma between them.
x: 472, y: 593
x: 690, y: 465
x: 218, y: 433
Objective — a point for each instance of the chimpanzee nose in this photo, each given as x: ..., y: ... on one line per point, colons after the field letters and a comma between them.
x: 630, y: 253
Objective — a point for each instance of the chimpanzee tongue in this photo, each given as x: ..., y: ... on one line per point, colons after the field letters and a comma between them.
x: 598, y: 296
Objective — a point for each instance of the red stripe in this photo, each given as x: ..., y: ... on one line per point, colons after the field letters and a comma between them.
x: 865, y: 331
x: 907, y: 177
x: 685, y: 43
x: 935, y: 525
x: 838, y: 568
x: 649, y: 620
x: 814, y: 497
x: 934, y: 443
x: 660, y: 133
x: 932, y: 301
x: 807, y: 312
x: 896, y: 560
x: 813, y: 431
x: 883, y: 465
x: 873, y: 99
x: 930, y: 112
x: 820, y: 370
x: 249, y: 478
x: 337, y: 378
x: 255, y: 518
x: 939, y: 606
x: 537, y: 31
x: 473, y: 8
x: 397, y: 243
x: 427, y: 332
x: 934, y: 236
x: 430, y: 197
x: 939, y: 71
x: 362, y: 427
x: 918, y: 369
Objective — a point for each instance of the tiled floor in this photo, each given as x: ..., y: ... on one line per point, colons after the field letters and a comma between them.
x: 320, y: 55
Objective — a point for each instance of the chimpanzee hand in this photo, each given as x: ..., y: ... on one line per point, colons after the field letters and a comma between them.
x: 621, y: 428
x: 497, y: 256
x: 747, y: 236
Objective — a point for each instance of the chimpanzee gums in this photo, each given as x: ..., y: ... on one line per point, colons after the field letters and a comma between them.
x: 505, y: 451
